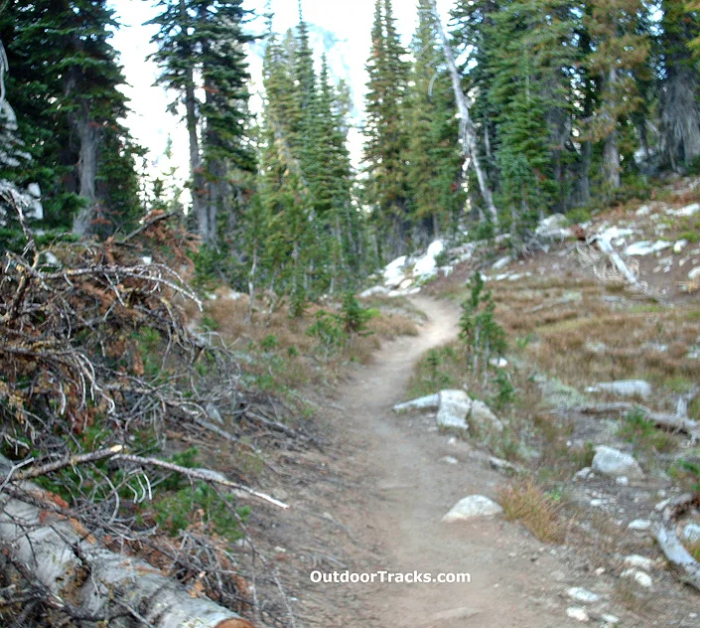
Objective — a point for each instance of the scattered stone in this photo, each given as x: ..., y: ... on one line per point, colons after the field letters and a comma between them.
x: 503, y: 466
x: 577, y: 613
x: 455, y: 614
x: 640, y: 577
x: 376, y: 290
x: 425, y: 402
x: 473, y: 506
x: 626, y: 388
x: 585, y: 473
x: 454, y: 407
x: 406, y: 283
x: 599, y: 571
x: 686, y: 211
x: 554, y: 226
x: 501, y: 263
x: 612, y: 463
x: 642, y: 211
x: 694, y: 273
x: 449, y: 459
x: 582, y: 595
x: 483, y: 416
x: 640, y: 525
x: 596, y: 502
x: 622, y: 481
x: 680, y: 245
x: 691, y: 532
x: 610, y: 619
x: 499, y: 363
x: 639, y: 562
x: 645, y: 248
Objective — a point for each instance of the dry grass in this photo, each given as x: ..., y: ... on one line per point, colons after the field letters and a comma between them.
x: 539, y: 512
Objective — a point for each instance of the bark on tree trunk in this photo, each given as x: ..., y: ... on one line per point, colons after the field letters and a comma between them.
x: 59, y: 553
x: 612, y: 158
x: 87, y: 169
x: 468, y: 134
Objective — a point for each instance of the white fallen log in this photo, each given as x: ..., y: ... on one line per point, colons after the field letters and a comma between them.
x: 615, y: 258
x: 677, y: 554
x: 59, y: 553
x: 662, y: 420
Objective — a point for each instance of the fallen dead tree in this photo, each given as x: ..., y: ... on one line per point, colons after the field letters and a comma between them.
x: 665, y: 421
x: 117, y: 526
x: 670, y: 544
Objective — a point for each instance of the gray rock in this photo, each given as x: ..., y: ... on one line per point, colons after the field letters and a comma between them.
x: 473, y: 506
x: 640, y: 577
x: 640, y: 525
x: 582, y: 595
x: 554, y: 226
x: 628, y: 388
x: 449, y: 459
x: 585, y: 473
x: 453, y: 409
x: 639, y: 562
x: 482, y: 416
x: 503, y: 466
x: 622, y: 481
x: 577, y: 613
x: 610, y: 619
x: 501, y: 263
x: 425, y: 402
x: 691, y: 532
x: 376, y: 290
x: 612, y: 463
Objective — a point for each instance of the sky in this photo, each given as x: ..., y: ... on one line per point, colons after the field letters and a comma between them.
x: 341, y: 28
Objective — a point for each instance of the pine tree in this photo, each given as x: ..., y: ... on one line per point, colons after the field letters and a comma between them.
x: 203, y: 40
x: 387, y: 140
x: 435, y: 161
x: 619, y: 51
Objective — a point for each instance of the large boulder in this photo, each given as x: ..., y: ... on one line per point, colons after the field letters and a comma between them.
x: 394, y: 272
x: 612, y: 463
x: 473, y: 506
x: 376, y: 290
x: 482, y: 416
x: 425, y: 266
x: 453, y: 409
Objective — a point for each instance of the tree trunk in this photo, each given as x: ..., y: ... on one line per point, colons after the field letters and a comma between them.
x: 87, y: 169
x: 612, y: 158
x: 468, y: 135
x: 59, y: 554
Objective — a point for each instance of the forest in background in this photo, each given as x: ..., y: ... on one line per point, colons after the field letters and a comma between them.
x: 572, y: 104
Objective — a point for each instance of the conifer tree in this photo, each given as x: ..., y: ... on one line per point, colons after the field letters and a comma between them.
x: 385, y: 130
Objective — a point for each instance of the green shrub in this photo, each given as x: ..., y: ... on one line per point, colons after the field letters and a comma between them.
x: 643, y: 433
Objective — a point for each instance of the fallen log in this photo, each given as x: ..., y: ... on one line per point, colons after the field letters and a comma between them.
x: 61, y: 555
x: 662, y: 420
x: 677, y: 554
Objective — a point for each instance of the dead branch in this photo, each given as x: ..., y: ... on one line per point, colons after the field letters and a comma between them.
x: 663, y: 420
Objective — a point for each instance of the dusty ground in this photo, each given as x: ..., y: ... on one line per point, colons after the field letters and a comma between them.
x: 372, y: 499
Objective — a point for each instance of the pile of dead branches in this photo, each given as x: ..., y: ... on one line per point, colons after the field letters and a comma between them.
x: 99, y: 369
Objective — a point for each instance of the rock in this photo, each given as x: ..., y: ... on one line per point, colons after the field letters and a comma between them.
x: 554, y: 226
x: 35, y: 209
x: 482, y: 416
x: 645, y: 248
x: 612, y: 463
x: 51, y: 259
x: 579, y: 594
x: 686, y: 211
x: 627, y: 388
x: 473, y: 506
x: 501, y: 362
x: 503, y: 466
x: 577, y: 613
x: 596, y: 502
x: 406, y: 283
x: 639, y: 562
x: 642, y: 211
x: 680, y: 245
x: 640, y: 525
x: 376, y: 290
x: 585, y: 473
x: 615, y: 235
x: 501, y: 263
x: 691, y: 532
x: 394, y: 272
x: 425, y: 402
x: 425, y: 266
x: 610, y: 619
x: 694, y: 273
x: 642, y: 578
x: 622, y: 481
x: 453, y: 409
x: 449, y: 459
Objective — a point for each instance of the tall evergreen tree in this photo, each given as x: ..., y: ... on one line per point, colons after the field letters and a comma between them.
x: 386, y: 134
x: 201, y: 45
x: 435, y: 161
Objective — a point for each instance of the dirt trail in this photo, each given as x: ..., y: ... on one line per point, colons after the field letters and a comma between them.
x: 407, y: 489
